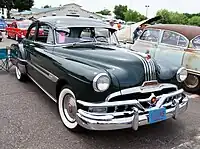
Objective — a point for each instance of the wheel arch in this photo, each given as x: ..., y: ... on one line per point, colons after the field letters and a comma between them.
x: 59, y: 85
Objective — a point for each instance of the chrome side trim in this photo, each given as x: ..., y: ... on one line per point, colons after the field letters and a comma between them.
x: 42, y: 89
x: 44, y: 72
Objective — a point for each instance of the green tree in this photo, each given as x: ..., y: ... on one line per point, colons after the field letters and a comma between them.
x: 47, y: 6
x: 165, y: 16
x: 119, y: 11
x: 195, y: 20
x: 131, y: 15
x: 22, y: 5
x: 8, y: 4
x: 178, y: 18
x: 104, y: 12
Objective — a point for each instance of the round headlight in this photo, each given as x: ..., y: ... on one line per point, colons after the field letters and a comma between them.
x: 181, y: 74
x: 101, y: 82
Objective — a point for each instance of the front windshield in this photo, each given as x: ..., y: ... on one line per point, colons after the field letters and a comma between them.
x: 23, y: 25
x: 89, y: 34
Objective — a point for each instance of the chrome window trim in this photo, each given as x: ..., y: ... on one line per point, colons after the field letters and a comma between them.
x: 165, y: 44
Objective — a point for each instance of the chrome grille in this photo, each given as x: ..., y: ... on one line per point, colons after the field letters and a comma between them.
x: 146, y: 105
x: 139, y: 95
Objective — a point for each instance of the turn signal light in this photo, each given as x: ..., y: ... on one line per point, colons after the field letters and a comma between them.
x: 148, y: 57
x: 153, y: 100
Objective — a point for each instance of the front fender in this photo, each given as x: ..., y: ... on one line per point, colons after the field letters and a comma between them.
x: 80, y: 77
x: 166, y: 71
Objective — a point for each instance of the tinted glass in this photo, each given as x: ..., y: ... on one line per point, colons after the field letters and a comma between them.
x: 89, y: 34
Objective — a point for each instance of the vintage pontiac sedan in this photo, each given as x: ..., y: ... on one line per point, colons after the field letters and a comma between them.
x: 97, y: 84
x: 179, y: 44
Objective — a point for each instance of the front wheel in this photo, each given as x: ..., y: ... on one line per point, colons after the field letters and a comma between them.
x: 68, y: 108
x: 192, y: 83
x: 19, y: 75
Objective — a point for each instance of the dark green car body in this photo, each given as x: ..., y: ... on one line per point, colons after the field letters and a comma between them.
x: 52, y: 66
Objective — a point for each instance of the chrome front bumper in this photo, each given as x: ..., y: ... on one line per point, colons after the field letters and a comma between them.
x: 109, y: 121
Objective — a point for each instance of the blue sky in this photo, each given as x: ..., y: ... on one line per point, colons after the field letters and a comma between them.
x: 190, y: 6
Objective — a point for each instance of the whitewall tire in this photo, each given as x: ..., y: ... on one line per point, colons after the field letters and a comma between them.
x: 19, y: 75
x: 67, y: 109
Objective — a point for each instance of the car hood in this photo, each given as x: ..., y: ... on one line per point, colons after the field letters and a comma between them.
x: 124, y: 64
x: 126, y: 34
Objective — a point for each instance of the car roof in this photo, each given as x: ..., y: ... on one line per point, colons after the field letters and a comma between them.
x: 188, y: 31
x: 69, y: 21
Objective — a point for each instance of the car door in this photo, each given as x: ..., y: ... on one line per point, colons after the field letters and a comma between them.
x: 171, y: 48
x: 28, y: 45
x: 41, y: 58
x: 191, y: 58
x: 148, y: 41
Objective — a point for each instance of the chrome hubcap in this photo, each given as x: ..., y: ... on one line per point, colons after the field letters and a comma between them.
x: 70, y: 108
x: 192, y: 81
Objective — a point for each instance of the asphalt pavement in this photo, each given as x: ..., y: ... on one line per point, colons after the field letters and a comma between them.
x: 29, y: 120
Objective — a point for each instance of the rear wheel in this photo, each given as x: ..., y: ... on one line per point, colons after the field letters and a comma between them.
x: 192, y: 83
x: 67, y: 109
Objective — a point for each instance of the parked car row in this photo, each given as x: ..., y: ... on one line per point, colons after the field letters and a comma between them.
x: 179, y: 44
x: 96, y: 83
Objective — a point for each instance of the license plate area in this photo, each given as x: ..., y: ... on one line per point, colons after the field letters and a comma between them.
x: 157, y: 115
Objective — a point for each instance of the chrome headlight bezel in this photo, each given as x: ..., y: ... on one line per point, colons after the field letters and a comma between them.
x: 182, y: 72
x: 96, y: 81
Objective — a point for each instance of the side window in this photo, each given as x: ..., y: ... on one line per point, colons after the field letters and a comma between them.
x: 174, y: 39
x: 196, y: 43
x: 31, y: 33
x: 151, y: 35
x: 45, y: 34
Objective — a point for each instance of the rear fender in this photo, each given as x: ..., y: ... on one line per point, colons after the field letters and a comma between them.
x: 191, y: 61
x: 18, y: 57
